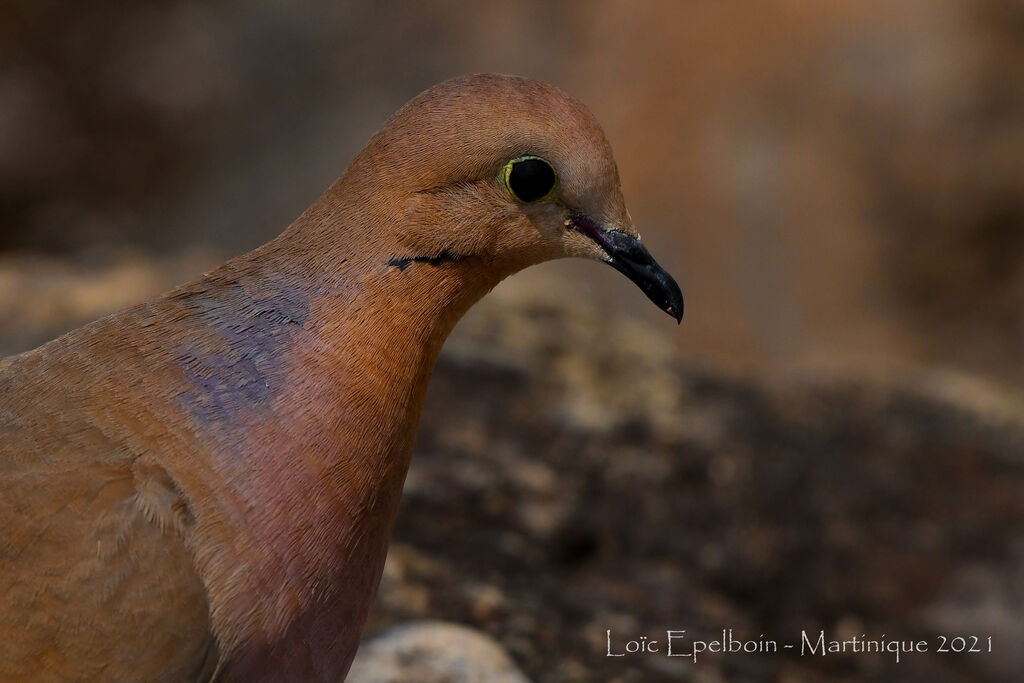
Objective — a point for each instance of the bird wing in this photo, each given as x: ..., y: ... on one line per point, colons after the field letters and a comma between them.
x: 96, y: 579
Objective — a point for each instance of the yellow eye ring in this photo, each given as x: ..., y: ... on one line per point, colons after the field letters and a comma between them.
x: 530, y: 179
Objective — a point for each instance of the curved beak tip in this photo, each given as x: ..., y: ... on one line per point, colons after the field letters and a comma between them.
x: 628, y: 255
x: 676, y: 313
x: 631, y: 258
x: 673, y: 299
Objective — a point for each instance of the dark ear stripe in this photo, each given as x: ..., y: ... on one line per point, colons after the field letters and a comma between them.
x: 444, y: 256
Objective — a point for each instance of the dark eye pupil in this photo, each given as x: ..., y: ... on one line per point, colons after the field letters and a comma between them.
x: 531, y: 179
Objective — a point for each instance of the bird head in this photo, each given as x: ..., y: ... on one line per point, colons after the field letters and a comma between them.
x: 510, y: 170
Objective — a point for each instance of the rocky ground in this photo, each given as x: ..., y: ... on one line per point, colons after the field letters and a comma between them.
x: 573, y: 475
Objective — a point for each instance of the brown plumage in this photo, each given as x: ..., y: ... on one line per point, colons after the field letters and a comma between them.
x: 204, y: 485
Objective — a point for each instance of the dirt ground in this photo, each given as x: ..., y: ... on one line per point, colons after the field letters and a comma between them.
x: 573, y: 477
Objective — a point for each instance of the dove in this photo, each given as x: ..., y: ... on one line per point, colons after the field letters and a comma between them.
x: 203, y: 486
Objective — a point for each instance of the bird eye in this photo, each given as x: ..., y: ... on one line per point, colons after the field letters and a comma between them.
x: 529, y: 179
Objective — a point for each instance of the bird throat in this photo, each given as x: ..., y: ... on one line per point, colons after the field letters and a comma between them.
x: 313, y: 395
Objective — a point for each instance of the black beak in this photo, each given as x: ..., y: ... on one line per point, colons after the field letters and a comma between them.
x: 631, y: 258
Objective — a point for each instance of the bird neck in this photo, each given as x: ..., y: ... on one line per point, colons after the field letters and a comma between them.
x: 322, y: 487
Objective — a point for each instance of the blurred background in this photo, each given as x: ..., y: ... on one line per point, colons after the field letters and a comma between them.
x: 838, y: 187
x: 834, y: 183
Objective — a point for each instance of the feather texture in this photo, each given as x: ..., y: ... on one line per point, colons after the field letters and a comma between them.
x: 204, y: 485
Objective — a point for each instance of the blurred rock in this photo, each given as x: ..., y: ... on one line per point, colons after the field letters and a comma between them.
x: 432, y: 652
